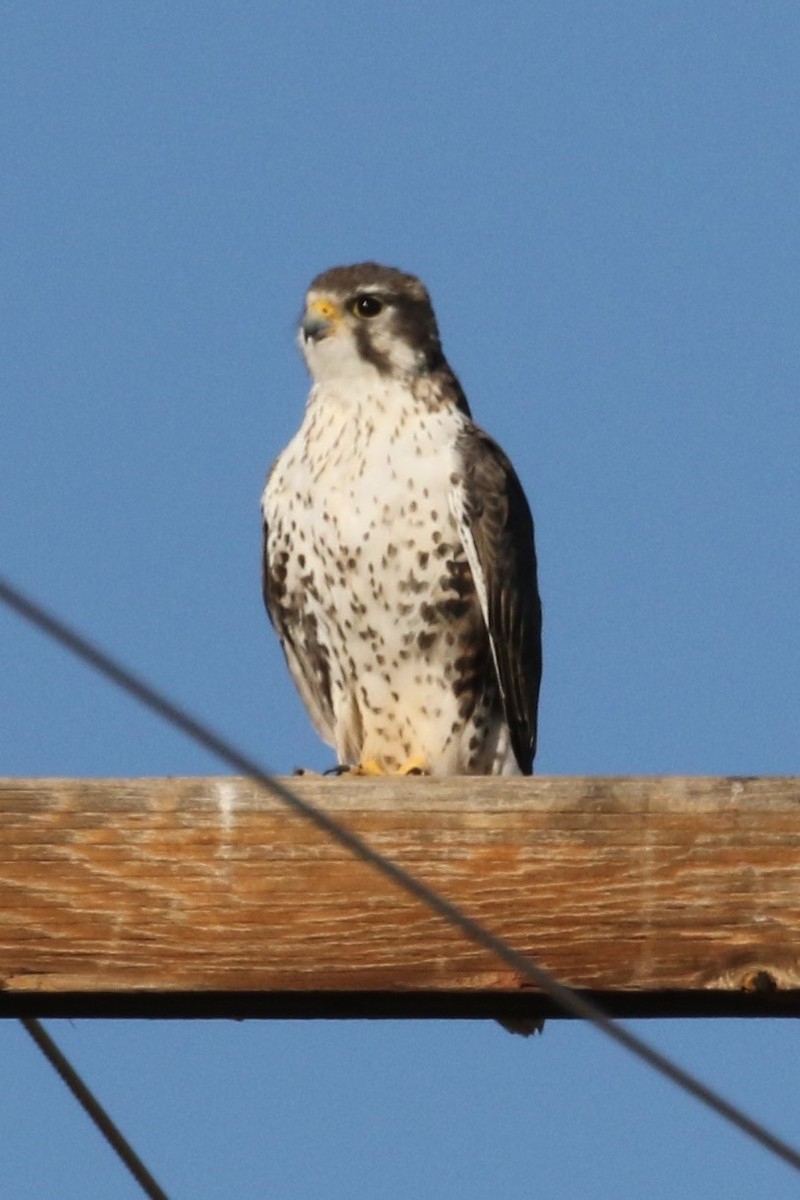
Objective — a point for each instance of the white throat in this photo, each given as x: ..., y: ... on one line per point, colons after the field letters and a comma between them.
x: 335, y: 359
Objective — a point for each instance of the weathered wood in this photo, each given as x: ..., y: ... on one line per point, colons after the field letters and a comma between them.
x: 181, y: 897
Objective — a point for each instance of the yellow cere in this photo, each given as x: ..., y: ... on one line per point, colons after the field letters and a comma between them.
x: 325, y: 308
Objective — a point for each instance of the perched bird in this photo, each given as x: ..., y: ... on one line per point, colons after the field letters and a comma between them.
x: 399, y: 562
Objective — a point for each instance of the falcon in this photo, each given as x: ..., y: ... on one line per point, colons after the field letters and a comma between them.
x: 399, y: 565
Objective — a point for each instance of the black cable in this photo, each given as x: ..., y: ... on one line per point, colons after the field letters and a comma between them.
x: 121, y: 1147
x: 567, y: 999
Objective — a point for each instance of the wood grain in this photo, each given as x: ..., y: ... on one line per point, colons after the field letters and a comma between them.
x: 206, y: 897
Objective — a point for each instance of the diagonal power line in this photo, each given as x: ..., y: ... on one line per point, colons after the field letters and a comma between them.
x: 121, y: 1147
x: 570, y: 1001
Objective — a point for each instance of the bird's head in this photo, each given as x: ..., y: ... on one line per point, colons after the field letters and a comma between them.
x: 368, y: 319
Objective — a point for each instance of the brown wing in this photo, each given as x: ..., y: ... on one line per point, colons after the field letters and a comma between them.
x: 497, y: 528
x: 306, y: 657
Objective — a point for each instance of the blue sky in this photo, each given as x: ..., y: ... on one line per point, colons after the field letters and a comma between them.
x: 603, y: 202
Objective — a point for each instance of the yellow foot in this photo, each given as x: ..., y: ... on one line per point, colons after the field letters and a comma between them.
x: 373, y: 766
x: 369, y: 766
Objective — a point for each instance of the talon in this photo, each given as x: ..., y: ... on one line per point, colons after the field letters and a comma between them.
x: 415, y: 766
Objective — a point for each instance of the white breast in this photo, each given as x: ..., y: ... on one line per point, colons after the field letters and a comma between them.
x: 366, y: 470
x: 363, y: 496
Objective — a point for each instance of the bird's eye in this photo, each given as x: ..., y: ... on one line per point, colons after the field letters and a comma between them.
x: 367, y: 306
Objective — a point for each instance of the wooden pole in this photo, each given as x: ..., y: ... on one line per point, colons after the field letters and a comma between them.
x: 205, y: 897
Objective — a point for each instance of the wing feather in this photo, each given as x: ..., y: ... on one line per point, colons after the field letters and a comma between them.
x: 306, y: 657
x: 497, y: 530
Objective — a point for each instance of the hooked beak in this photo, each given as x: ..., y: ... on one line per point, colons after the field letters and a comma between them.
x: 319, y: 320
